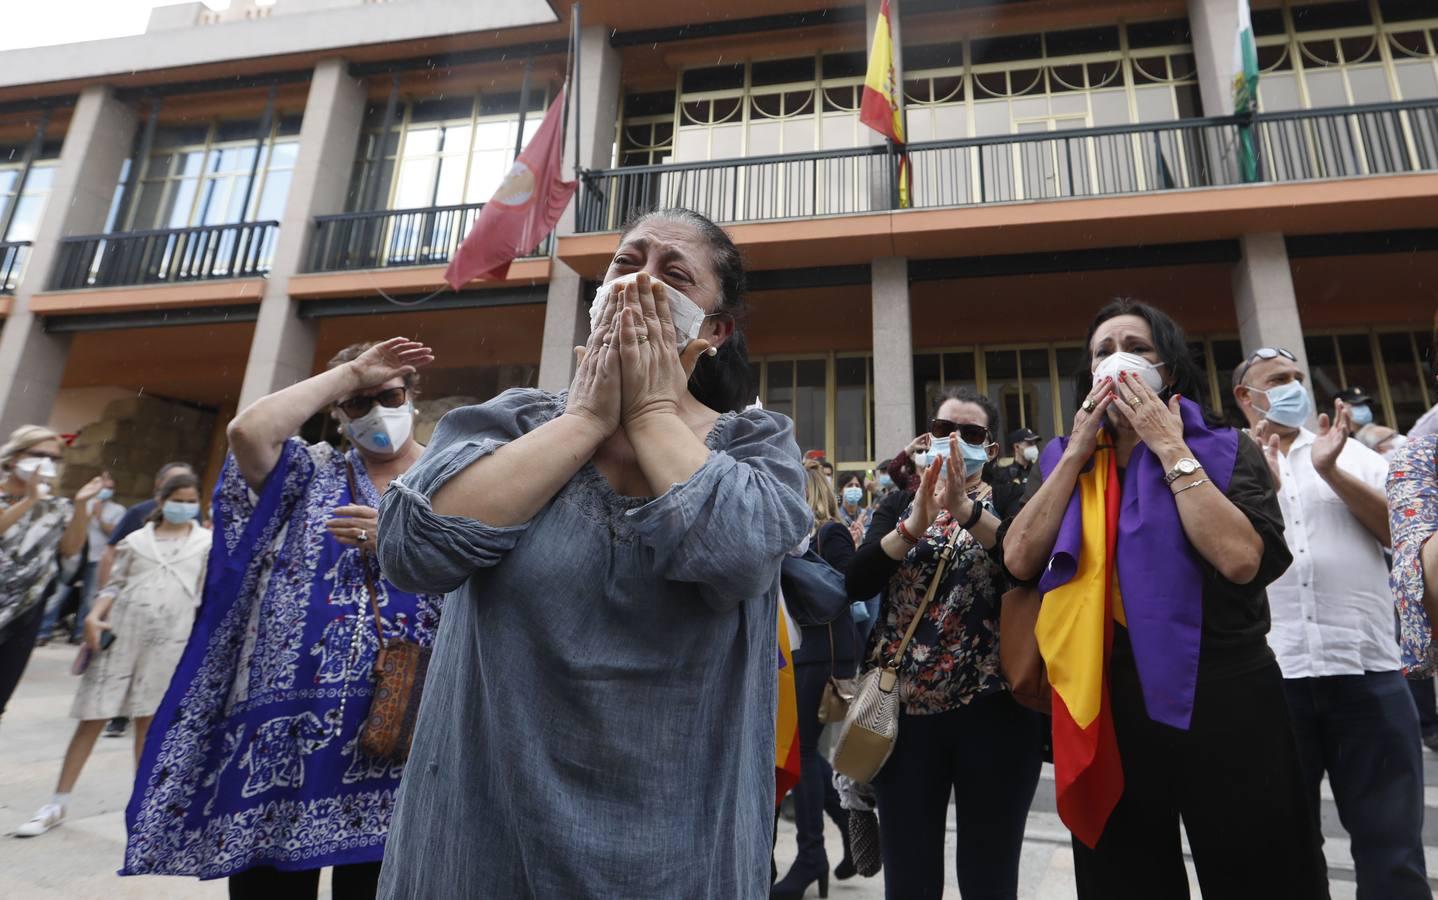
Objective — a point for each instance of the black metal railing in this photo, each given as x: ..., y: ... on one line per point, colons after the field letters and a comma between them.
x: 386, y: 238
x: 12, y: 264
x: 202, y: 253
x: 1301, y: 145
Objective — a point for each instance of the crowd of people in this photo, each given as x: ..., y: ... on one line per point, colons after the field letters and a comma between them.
x: 537, y: 657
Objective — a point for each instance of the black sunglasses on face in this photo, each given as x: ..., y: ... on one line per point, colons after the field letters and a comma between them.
x: 53, y: 457
x: 391, y: 398
x: 969, y: 434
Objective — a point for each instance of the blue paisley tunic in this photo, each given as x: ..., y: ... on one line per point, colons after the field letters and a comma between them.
x: 253, y: 756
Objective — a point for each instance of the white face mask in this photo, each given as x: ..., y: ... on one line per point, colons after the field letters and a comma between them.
x: 1031, y: 454
x: 32, y: 467
x: 1395, y: 444
x: 1115, y: 363
x: 688, y: 317
x: 382, y: 431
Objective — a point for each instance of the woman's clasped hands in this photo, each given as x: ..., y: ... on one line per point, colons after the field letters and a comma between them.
x: 631, y: 369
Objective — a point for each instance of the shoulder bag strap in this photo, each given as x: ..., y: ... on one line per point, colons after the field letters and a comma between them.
x: 945, y: 554
x: 364, y: 559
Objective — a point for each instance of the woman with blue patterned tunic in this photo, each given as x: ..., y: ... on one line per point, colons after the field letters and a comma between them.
x: 253, y: 769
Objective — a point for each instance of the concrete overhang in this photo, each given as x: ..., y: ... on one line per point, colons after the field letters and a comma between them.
x: 323, y: 28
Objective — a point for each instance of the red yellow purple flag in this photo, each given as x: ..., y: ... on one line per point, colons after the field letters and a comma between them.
x: 1075, y: 636
x: 786, y: 731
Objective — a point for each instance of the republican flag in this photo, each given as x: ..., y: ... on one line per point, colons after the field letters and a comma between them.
x: 1245, y: 90
x: 880, y: 108
x: 786, y: 723
x: 1075, y: 636
x: 523, y: 210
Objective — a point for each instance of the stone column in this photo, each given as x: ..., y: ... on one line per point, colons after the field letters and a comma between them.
x: 283, y: 348
x: 566, y: 313
x: 1264, y: 299
x: 96, y: 145
x: 893, y: 357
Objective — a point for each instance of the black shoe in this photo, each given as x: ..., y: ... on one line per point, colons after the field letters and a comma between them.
x: 845, y: 869
x: 794, y: 885
x: 1431, y: 742
x: 115, y: 727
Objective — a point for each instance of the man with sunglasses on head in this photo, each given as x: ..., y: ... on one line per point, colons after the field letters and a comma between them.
x: 278, y: 678
x: 1333, y: 625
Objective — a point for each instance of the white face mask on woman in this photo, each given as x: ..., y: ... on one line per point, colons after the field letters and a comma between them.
x: 32, y: 467
x: 383, y: 430
x: 1132, y: 363
x: 688, y: 317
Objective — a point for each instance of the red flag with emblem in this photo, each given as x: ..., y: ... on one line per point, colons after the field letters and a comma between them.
x: 523, y: 211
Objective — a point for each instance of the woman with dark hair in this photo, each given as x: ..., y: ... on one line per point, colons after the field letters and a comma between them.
x: 147, y: 608
x: 960, y: 731
x: 604, y: 689
x: 258, y: 773
x: 854, y: 505
x: 1152, y: 537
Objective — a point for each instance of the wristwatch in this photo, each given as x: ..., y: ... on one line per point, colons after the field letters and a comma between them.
x: 1183, y: 468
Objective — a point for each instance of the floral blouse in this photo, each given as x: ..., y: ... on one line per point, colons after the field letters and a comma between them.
x: 1413, y: 519
x: 954, y: 656
x: 29, y: 556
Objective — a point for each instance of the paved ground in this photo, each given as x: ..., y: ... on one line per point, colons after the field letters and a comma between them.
x: 77, y: 861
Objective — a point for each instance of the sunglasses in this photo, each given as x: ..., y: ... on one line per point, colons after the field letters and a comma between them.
x: 969, y: 434
x: 53, y: 457
x: 1264, y: 353
x: 355, y: 407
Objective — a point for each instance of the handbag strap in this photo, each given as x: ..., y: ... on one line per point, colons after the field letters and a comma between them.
x: 832, y: 669
x: 946, y: 553
x: 364, y: 559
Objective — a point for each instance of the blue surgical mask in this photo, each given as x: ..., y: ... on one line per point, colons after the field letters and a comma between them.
x: 853, y: 496
x: 1361, y: 415
x: 885, y: 482
x: 105, y: 494
x: 975, y: 456
x: 178, y: 512
x: 1288, y: 404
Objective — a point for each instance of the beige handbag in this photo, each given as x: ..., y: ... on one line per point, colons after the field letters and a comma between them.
x: 872, y: 724
x: 838, y: 692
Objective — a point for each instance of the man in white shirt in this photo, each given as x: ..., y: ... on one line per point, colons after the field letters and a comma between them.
x: 1333, y: 626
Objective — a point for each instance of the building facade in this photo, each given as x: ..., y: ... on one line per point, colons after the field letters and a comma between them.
x: 196, y: 216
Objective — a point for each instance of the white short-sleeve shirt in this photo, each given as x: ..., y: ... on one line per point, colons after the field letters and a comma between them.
x: 1332, y: 610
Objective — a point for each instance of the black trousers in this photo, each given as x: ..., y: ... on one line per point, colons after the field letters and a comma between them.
x: 357, y: 881
x: 1235, y: 781
x: 1426, y: 699
x: 1363, y: 731
x: 985, y: 755
x: 15, y: 651
x: 814, y: 795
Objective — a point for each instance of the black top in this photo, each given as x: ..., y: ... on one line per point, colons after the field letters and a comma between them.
x: 835, y: 545
x: 133, y: 520
x: 871, y: 568
x: 1009, y: 483
x: 1235, y: 616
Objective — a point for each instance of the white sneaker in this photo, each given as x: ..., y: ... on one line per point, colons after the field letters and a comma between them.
x: 48, y: 817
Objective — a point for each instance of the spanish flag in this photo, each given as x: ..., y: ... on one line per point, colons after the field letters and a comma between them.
x: 786, y: 731
x: 1075, y: 621
x: 880, y: 108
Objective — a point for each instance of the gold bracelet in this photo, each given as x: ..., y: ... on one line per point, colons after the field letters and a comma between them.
x: 1190, y: 485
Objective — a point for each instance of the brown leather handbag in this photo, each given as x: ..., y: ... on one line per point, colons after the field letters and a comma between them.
x: 399, y: 669
x: 1019, y: 659
x: 834, y: 701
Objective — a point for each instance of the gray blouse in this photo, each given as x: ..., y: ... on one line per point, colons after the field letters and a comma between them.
x: 598, y: 720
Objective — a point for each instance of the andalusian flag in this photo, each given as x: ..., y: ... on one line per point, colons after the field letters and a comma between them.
x: 1076, y: 620
x: 786, y: 731
x: 881, y: 108
x: 1245, y: 91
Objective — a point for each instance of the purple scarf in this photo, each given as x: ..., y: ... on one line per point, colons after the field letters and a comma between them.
x: 1159, y: 575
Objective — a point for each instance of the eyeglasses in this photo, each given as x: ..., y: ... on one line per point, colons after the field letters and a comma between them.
x: 969, y: 434
x: 1262, y: 353
x: 53, y: 457
x: 390, y: 398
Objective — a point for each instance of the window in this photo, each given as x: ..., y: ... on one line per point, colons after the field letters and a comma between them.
x: 830, y: 397
x: 442, y: 152
x: 1389, y: 365
x: 25, y: 209
x: 200, y: 175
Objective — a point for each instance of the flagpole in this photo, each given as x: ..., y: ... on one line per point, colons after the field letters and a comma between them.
x: 578, y: 120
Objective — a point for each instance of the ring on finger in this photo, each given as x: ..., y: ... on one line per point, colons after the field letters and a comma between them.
x: 363, y: 536
x: 642, y: 339
x: 1089, y: 405
x: 1135, y: 401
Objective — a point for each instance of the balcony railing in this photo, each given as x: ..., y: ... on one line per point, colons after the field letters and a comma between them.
x: 12, y: 264
x: 168, y: 255
x: 1301, y: 145
x: 386, y: 238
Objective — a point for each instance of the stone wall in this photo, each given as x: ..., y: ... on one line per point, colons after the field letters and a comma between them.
x: 134, y: 437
